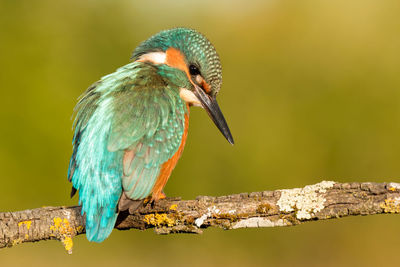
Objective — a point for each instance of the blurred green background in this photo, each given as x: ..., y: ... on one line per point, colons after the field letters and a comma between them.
x: 311, y: 91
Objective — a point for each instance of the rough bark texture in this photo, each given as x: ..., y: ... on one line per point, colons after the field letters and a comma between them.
x: 288, y: 207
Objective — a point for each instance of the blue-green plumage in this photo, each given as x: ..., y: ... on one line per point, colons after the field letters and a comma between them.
x: 131, y: 122
x: 120, y: 113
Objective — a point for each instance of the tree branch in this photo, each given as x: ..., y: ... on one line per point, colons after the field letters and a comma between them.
x: 325, y: 200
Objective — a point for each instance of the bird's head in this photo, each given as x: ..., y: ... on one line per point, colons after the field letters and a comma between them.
x: 186, y: 58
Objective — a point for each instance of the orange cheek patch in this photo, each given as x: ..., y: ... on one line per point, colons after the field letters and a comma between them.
x: 176, y: 59
x: 206, y: 87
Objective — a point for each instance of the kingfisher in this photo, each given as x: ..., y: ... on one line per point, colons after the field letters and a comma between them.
x: 131, y: 126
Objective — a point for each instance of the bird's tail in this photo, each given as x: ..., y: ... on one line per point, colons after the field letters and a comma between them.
x: 100, y: 224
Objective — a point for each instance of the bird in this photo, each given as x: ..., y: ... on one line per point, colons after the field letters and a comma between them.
x: 131, y: 126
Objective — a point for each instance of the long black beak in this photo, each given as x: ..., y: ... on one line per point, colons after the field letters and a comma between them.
x: 210, y: 104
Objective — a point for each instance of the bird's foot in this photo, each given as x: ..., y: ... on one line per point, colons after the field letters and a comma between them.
x: 147, y: 200
x: 158, y: 196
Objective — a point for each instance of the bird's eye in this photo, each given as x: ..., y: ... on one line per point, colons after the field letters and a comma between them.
x: 194, y: 70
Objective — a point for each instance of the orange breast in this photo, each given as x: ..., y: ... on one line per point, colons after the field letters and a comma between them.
x: 169, y: 165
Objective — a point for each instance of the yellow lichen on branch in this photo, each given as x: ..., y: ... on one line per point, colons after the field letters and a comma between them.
x: 27, y: 223
x: 159, y: 220
x: 391, y: 205
x: 64, y: 231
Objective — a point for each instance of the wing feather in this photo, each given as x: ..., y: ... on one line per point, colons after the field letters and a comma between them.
x: 152, y: 136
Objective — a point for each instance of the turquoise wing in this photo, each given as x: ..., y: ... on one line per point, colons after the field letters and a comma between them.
x: 126, y: 127
x: 148, y: 125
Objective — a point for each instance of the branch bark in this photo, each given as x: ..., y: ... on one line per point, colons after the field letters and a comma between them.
x: 288, y: 207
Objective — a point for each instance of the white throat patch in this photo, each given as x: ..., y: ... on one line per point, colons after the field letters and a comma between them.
x: 189, y: 97
x: 153, y: 57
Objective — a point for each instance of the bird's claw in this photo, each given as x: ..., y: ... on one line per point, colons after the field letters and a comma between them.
x: 155, y: 197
